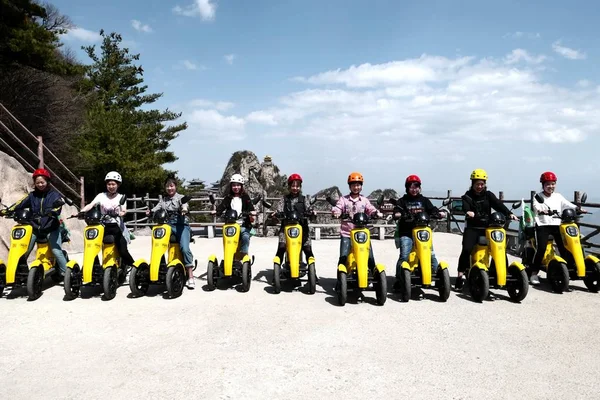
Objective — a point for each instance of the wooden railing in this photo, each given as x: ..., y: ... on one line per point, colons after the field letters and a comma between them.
x: 138, y: 205
x: 32, y: 160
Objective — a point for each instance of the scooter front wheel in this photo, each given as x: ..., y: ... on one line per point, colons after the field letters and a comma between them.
x: 479, y: 284
x: 558, y: 274
x: 139, y: 280
x: 312, y: 279
x: 276, y: 278
x: 72, y: 282
x: 35, y: 281
x: 342, y: 293
x: 175, y: 281
x: 592, y: 278
x: 246, y: 276
x: 405, y: 285
x: 109, y: 283
x: 518, y: 285
x: 211, y: 275
x: 443, y: 284
x: 381, y: 287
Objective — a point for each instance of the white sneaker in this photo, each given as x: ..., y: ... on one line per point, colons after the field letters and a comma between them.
x: 535, y: 279
x: 191, y: 283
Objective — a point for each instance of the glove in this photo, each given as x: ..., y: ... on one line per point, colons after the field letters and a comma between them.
x: 389, y: 218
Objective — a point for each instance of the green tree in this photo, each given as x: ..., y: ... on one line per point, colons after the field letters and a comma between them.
x: 118, y: 134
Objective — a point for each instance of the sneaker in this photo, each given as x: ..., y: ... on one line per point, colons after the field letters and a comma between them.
x: 460, y: 281
x: 535, y: 279
x: 191, y: 283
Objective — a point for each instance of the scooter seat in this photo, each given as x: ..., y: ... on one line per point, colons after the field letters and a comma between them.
x: 482, y: 241
x: 108, y: 239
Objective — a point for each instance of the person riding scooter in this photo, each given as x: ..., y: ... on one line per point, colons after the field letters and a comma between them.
x: 545, y: 223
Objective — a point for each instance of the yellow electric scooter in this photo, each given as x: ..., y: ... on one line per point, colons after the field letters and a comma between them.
x: 356, y: 275
x: 293, y: 268
x: 16, y: 272
x: 417, y: 270
x: 571, y: 266
x: 489, y: 262
x: 166, y: 261
x: 101, y: 260
x: 233, y: 263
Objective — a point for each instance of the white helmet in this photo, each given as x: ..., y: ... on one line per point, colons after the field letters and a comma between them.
x: 237, y: 178
x: 113, y: 176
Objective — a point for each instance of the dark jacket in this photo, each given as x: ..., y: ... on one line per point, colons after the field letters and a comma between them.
x: 298, y: 203
x: 412, y: 205
x: 481, y: 204
x: 247, y: 207
x: 40, y: 203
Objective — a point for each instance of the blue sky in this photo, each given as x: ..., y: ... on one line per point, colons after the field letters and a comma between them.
x: 387, y: 88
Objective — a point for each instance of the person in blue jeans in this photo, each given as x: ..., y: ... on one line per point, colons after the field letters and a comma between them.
x: 40, y: 202
x: 413, y: 202
x: 179, y: 223
x: 237, y: 199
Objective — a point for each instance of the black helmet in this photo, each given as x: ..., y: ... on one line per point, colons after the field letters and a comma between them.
x: 231, y: 215
x: 497, y: 219
x: 23, y: 215
x: 421, y: 219
x: 93, y: 216
x: 360, y: 219
x: 569, y: 215
x: 160, y: 216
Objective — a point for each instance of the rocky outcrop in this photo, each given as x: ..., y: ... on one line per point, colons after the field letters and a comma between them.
x: 15, y: 182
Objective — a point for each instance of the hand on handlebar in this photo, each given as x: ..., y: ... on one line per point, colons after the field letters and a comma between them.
x: 514, y: 217
x: 470, y: 214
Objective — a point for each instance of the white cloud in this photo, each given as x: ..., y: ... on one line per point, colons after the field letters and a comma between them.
x: 191, y: 66
x: 138, y: 26
x: 218, y: 105
x: 229, y: 58
x: 519, y: 35
x: 261, y: 117
x: 203, y: 8
x: 82, y: 35
x: 211, y: 123
x: 568, y: 52
x: 518, y: 55
x: 584, y: 83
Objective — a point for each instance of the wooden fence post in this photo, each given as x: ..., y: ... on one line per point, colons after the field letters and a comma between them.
x: 82, y: 191
x: 577, y: 197
x: 448, y: 219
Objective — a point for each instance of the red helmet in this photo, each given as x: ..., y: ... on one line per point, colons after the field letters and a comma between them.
x: 294, y: 177
x: 41, y: 172
x: 548, y: 176
x: 412, y: 179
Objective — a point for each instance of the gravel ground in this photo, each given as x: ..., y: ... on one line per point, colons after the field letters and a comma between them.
x: 227, y: 344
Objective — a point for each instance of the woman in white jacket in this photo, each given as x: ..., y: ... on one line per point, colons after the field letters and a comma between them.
x: 547, y: 224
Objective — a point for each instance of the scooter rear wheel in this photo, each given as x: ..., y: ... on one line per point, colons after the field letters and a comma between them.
x: 139, y: 280
x: 109, y: 283
x: 312, y: 279
x: 558, y: 274
x: 479, y: 284
x: 35, y: 281
x: 246, y: 276
x: 405, y: 285
x: 72, y: 282
x: 518, y: 285
x: 342, y: 293
x: 380, y: 287
x: 211, y: 278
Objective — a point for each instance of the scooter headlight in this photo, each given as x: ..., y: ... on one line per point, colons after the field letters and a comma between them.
x: 293, y: 232
x: 18, y: 233
x: 572, y: 231
x: 423, y: 235
x: 230, y: 231
x: 91, y: 234
x: 360, y: 237
x: 497, y: 236
x: 159, y: 233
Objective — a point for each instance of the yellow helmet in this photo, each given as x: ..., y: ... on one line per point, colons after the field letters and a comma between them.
x: 479, y: 174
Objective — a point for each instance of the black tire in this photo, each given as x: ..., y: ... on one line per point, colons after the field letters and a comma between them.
x: 312, y: 278
x: 518, y: 284
x: 211, y: 275
x: 592, y: 277
x: 246, y: 276
x: 175, y: 281
x: 479, y: 284
x: 139, y: 280
x: 110, y: 283
x: 380, y: 287
x: 558, y: 275
x: 443, y: 284
x: 342, y: 293
x: 2, y: 278
x: 72, y: 282
x: 276, y: 278
x: 35, y: 281
x: 405, y: 285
